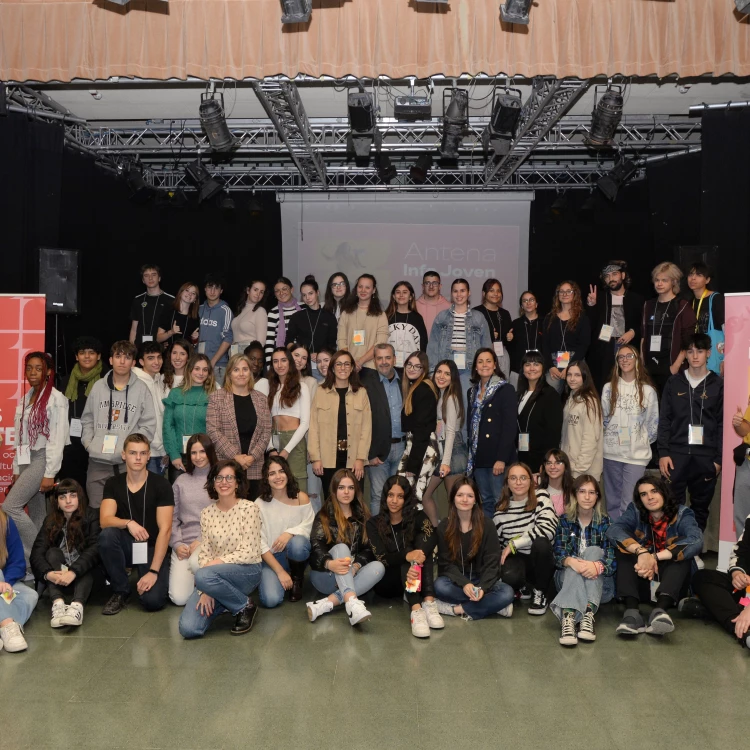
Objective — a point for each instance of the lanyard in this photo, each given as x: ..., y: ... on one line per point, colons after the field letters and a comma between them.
x: 495, y: 332
x: 65, y: 539
x: 663, y: 317
x: 312, y: 330
x: 703, y: 399
x: 127, y: 493
x: 153, y: 317
x: 398, y: 549
x: 536, y: 334
x: 563, y: 331
x: 528, y: 419
x: 698, y: 313
x: 471, y: 565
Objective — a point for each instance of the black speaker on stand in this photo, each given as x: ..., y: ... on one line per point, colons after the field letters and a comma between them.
x: 59, y: 280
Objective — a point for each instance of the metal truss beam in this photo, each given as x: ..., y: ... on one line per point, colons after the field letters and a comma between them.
x: 550, y: 99
x: 281, y: 101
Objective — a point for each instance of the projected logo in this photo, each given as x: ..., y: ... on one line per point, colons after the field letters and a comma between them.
x: 21, y: 332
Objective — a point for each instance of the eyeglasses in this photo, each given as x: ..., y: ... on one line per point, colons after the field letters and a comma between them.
x: 231, y: 479
x: 337, y: 284
x: 554, y: 463
x: 431, y: 283
x: 523, y: 478
x: 565, y: 292
x: 413, y: 366
x: 625, y: 357
x: 345, y: 365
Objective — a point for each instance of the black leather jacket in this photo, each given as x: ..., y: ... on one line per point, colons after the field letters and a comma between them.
x: 361, y: 550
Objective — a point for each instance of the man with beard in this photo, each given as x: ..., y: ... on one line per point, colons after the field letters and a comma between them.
x: 615, y: 317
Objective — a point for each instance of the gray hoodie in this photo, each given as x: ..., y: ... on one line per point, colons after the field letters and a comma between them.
x: 112, y: 412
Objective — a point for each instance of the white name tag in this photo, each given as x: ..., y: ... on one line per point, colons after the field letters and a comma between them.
x: 234, y: 349
x: 606, y: 333
x: 460, y: 359
x: 498, y: 347
x: 562, y: 360
x: 23, y: 455
x: 695, y: 434
x: 654, y: 586
x: 185, y: 439
x: 109, y: 444
x: 523, y: 442
x: 147, y: 339
x: 655, y: 345
x: 63, y: 568
x: 76, y: 428
x: 202, y: 347
x: 623, y: 434
x: 140, y: 553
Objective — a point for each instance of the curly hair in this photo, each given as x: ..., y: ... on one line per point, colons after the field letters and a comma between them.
x: 408, y: 513
x: 292, y: 488
x: 576, y: 306
x: 670, y: 507
x: 242, y: 486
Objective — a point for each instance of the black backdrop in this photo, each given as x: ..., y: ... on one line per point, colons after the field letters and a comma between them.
x: 53, y: 196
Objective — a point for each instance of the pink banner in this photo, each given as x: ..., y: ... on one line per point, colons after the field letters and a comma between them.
x: 736, y: 395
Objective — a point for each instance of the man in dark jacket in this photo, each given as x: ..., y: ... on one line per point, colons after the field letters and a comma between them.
x: 615, y: 317
x: 691, y: 421
x: 383, y: 388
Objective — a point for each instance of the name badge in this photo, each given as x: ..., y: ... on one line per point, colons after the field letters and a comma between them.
x: 523, y: 442
x: 460, y: 359
x: 76, y: 428
x: 140, y: 553
x: 147, y: 339
x: 313, y: 365
x: 654, y: 586
x: 498, y: 347
x: 695, y: 434
x: 185, y: 439
x: 233, y: 350
x: 399, y: 359
x: 623, y: 434
x: 23, y: 455
x: 202, y: 347
x: 358, y: 337
x: 606, y: 333
x: 109, y: 444
x: 64, y: 568
x: 655, y: 345
x: 562, y: 360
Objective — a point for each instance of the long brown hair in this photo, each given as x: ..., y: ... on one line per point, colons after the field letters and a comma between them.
x: 576, y: 306
x: 167, y: 368
x: 352, y: 302
x: 55, y: 521
x: 392, y: 308
x: 330, y: 382
x: 453, y: 527
x: 209, y: 384
x: 641, y: 377
x: 506, y: 494
x: 332, y: 510
x: 291, y: 389
x: 453, y: 390
x: 587, y: 392
x: 407, y: 388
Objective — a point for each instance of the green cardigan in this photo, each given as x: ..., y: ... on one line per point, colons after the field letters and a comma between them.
x: 184, y: 414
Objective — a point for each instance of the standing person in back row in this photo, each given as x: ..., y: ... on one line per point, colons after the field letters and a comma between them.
x: 498, y: 320
x: 216, y: 327
x: 708, y: 307
x: 363, y: 323
x: 148, y: 307
x: 615, y: 316
x: 280, y: 315
x: 691, y: 425
x: 431, y: 302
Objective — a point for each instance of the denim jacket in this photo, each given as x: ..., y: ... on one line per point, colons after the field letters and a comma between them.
x: 439, y: 345
x: 567, y: 540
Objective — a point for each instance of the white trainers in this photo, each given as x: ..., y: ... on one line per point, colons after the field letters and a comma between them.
x: 58, y: 612
x: 699, y: 562
x: 432, y: 612
x: 444, y: 608
x: 357, y: 611
x: 419, y: 626
x: 12, y: 636
x: 73, y: 614
x: 506, y: 611
x: 318, y: 608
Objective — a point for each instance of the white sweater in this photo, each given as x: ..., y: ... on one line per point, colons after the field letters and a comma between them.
x: 641, y: 423
x: 59, y: 432
x: 582, y: 433
x: 277, y: 518
x: 158, y: 392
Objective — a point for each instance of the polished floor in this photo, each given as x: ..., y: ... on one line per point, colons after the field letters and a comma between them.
x: 130, y: 681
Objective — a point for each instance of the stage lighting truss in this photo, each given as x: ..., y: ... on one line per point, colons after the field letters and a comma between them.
x: 501, y: 130
x: 362, y: 124
x: 515, y: 11
x: 418, y: 172
x: 296, y: 11
x: 455, y: 121
x: 743, y: 6
x: 606, y: 116
x: 214, y: 122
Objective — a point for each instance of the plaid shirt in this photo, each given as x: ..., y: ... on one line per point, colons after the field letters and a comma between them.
x: 568, y: 537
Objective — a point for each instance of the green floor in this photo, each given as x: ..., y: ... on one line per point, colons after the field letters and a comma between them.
x: 130, y: 681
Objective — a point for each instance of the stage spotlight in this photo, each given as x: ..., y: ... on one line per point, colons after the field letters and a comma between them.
x: 611, y: 182
x: 296, y: 11
x: 412, y: 108
x: 386, y: 170
x: 605, y: 118
x: 361, y: 124
x: 455, y: 122
x: 197, y: 175
x: 516, y: 11
x: 503, y: 123
x: 255, y: 208
x: 140, y: 191
x: 214, y: 123
x: 224, y: 201
x: 418, y: 171
x: 743, y: 6
x: 588, y: 207
x: 560, y: 204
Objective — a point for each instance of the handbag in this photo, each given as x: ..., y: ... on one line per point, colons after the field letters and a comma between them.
x: 717, y: 340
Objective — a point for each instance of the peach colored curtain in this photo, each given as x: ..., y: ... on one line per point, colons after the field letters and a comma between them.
x: 60, y: 40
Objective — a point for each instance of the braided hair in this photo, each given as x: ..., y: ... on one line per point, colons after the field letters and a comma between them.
x: 38, y: 417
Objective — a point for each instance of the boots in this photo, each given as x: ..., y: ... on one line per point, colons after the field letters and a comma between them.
x: 297, y: 571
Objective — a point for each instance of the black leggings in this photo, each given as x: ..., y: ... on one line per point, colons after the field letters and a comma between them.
x: 673, y: 575
x: 718, y: 596
x: 78, y: 591
x: 535, y: 569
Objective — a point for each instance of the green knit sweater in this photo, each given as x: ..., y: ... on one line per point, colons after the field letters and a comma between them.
x: 184, y: 414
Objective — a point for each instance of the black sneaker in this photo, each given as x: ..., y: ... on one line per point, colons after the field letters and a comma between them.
x: 245, y: 619
x: 692, y: 607
x: 538, y: 604
x: 115, y: 605
x: 523, y: 594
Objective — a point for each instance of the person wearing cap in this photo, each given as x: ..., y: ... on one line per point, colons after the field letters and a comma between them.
x: 615, y: 315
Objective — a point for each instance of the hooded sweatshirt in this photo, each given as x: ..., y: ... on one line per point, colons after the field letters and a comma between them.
x: 631, y: 428
x: 582, y: 438
x: 112, y: 412
x: 158, y: 394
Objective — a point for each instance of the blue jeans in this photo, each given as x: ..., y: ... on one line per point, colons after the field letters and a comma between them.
x: 490, y: 487
x: 22, y: 606
x: 497, y: 598
x: 155, y: 465
x: 271, y: 591
x: 329, y: 583
x: 379, y: 474
x: 230, y: 585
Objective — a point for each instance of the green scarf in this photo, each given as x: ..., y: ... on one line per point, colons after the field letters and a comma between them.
x: 76, y: 377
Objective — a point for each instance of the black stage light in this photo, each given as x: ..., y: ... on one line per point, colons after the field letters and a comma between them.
x: 418, y: 171
x: 361, y: 124
x: 501, y: 131
x: 611, y: 182
x: 296, y: 11
x: 214, y: 123
x: 224, y: 201
x: 386, y: 170
x: 198, y: 176
x: 605, y: 118
x: 515, y: 11
x: 455, y: 122
x: 743, y: 6
x: 255, y: 207
x: 559, y: 204
x: 140, y: 191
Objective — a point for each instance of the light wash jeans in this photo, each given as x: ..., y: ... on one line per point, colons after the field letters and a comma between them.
x: 155, y: 465
x: 271, y: 591
x: 230, y: 586
x: 490, y: 487
x: 380, y: 474
x: 22, y: 606
x: 619, y: 483
x: 577, y: 592
x: 329, y: 583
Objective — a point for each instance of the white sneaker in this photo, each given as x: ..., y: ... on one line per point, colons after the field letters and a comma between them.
x: 318, y: 608
x: 12, y: 636
x: 419, y: 626
x: 357, y: 611
x: 699, y: 562
x: 444, y: 608
x: 506, y: 611
x: 434, y: 620
x: 58, y: 612
x: 73, y: 614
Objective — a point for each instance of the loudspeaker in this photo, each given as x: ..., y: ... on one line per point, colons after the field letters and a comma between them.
x: 59, y: 280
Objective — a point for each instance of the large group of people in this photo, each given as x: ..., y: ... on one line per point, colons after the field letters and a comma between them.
x: 235, y: 456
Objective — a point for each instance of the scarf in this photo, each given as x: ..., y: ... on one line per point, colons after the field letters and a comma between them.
x: 76, y: 377
x: 476, y: 417
x: 281, y: 327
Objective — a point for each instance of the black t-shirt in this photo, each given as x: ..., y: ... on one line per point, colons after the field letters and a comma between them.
x: 662, y: 324
x: 187, y: 325
x: 341, y: 431
x: 147, y: 309
x: 247, y: 420
x: 158, y: 492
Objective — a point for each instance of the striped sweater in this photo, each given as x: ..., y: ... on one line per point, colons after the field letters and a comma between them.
x: 523, y: 526
x: 290, y: 308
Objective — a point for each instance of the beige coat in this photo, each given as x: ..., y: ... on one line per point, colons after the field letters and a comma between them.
x: 324, y: 415
x: 583, y: 439
x: 375, y: 328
